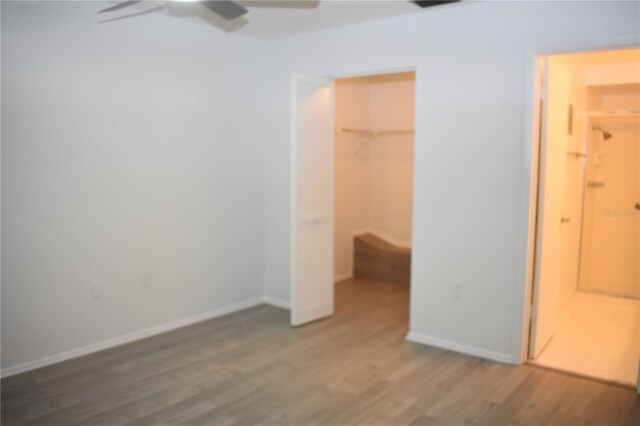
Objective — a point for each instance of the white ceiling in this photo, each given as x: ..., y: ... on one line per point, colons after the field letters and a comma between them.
x: 268, y: 19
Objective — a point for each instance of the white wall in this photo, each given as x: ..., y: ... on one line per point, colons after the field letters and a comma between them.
x: 470, y: 213
x: 610, y: 247
x: 585, y: 69
x: 126, y: 146
x: 373, y: 175
x: 352, y: 168
x: 612, y: 73
x: 574, y: 179
x: 139, y: 144
x: 393, y: 108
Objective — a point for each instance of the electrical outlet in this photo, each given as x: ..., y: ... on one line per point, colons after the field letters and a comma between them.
x: 97, y: 289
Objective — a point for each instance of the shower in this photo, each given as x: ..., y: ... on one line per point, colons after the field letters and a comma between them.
x: 609, y: 246
x: 606, y: 135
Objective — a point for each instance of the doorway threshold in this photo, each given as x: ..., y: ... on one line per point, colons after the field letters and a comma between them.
x: 624, y: 385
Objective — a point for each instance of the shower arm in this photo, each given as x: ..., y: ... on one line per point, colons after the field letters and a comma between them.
x: 605, y: 135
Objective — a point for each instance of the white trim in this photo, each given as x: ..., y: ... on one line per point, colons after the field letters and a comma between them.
x: 293, y: 200
x: 279, y: 303
x: 459, y: 347
x: 128, y: 338
x: 529, y: 207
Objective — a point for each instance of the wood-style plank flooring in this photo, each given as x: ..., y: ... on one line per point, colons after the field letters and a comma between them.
x: 251, y: 368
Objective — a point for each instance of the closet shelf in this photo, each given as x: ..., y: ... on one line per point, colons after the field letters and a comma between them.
x: 372, y: 133
x: 604, y: 113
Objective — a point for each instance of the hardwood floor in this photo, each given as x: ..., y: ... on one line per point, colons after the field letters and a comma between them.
x: 251, y: 367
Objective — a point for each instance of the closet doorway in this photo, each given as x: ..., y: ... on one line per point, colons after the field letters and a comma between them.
x: 353, y: 194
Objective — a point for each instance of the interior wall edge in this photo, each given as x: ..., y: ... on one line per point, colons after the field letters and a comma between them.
x: 130, y: 337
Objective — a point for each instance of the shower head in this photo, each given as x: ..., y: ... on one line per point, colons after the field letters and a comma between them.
x: 606, y: 135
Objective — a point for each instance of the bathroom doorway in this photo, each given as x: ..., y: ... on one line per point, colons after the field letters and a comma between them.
x: 586, y: 293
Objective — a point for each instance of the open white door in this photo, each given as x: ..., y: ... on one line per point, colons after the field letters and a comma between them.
x: 551, y: 197
x: 312, y: 120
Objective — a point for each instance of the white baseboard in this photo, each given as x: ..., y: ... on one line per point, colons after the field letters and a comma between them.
x: 127, y: 338
x: 342, y: 277
x: 279, y: 303
x: 459, y: 347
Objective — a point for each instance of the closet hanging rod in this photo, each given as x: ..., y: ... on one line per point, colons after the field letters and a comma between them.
x: 373, y: 132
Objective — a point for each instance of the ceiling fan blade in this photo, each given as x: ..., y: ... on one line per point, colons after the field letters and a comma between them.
x: 282, y: 4
x: 226, y: 8
x: 121, y: 5
x: 427, y: 3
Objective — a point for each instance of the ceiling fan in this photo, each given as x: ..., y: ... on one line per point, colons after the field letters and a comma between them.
x: 229, y: 9
x: 226, y: 8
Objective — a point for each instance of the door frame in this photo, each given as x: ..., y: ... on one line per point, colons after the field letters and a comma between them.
x: 529, y: 187
x: 293, y: 157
